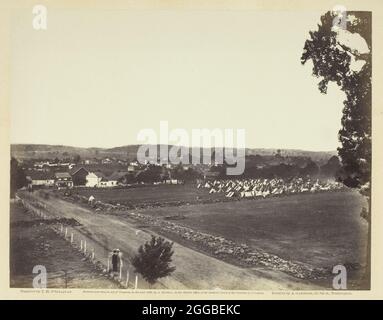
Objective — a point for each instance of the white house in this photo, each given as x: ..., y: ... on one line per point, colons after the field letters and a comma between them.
x: 100, y: 180
x: 92, y: 180
x: 112, y: 180
x: 105, y: 183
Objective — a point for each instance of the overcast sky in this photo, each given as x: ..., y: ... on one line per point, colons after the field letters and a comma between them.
x: 96, y: 78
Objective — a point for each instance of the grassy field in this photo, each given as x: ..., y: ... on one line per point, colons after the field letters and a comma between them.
x: 322, y: 229
x: 150, y: 194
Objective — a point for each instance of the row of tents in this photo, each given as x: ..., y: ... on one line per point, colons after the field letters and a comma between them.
x: 268, y: 187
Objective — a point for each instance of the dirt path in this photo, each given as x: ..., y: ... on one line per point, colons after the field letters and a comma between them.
x: 194, y: 269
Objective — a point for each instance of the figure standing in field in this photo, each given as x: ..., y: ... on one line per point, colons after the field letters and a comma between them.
x: 91, y: 200
x: 116, y: 261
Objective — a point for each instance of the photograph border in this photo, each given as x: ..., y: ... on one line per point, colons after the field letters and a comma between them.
x: 376, y: 292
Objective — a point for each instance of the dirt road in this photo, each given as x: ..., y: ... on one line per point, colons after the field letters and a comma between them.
x: 194, y: 270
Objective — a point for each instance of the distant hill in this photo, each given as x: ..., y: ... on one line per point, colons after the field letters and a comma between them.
x: 317, y: 156
x: 45, y: 151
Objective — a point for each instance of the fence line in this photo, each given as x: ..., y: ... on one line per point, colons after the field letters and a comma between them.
x: 91, y: 256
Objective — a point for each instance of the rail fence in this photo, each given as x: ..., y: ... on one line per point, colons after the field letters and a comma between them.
x: 89, y: 248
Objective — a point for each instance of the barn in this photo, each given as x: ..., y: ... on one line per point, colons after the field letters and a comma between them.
x: 79, y: 176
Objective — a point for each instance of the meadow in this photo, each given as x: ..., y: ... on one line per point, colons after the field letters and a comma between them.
x: 150, y: 194
x: 320, y: 230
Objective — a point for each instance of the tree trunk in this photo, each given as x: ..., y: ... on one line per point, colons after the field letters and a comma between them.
x: 367, y: 272
x: 368, y: 262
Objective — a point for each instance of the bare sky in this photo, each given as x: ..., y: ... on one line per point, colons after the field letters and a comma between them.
x: 96, y: 77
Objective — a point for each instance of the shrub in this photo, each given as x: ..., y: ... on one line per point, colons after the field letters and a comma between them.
x: 153, y: 259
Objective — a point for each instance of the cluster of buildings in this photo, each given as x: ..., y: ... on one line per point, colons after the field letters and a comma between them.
x: 106, y: 172
x: 251, y: 188
x: 75, y: 177
x: 47, y: 165
x: 88, y: 174
x: 49, y: 179
x: 52, y: 165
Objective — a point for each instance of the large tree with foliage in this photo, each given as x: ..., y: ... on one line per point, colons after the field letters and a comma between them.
x: 153, y: 259
x: 152, y: 173
x: 18, y: 178
x: 340, y: 51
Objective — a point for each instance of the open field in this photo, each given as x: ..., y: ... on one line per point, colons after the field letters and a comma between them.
x: 318, y: 230
x: 150, y: 194
x: 194, y: 270
x: 34, y: 243
x: 322, y: 230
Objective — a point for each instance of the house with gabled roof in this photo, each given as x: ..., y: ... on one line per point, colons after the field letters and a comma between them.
x: 40, y: 178
x: 107, y: 181
x: 63, y: 180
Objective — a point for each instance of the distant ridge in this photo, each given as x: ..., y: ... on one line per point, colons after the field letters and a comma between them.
x: 35, y: 151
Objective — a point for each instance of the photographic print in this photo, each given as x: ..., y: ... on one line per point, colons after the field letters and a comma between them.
x: 190, y: 147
